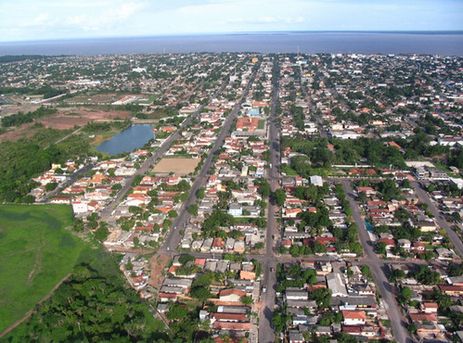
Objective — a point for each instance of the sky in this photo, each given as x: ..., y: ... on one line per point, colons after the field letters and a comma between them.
x: 67, y: 19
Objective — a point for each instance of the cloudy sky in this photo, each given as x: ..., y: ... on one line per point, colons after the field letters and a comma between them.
x: 57, y: 19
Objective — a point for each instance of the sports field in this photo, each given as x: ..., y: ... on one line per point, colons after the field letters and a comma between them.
x: 36, y: 252
x: 179, y: 166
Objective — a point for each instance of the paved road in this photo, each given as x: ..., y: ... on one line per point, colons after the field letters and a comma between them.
x: 377, y: 268
x: 319, y: 120
x: 148, y: 163
x: 266, y: 333
x: 424, y: 198
x: 174, y: 236
x: 70, y: 180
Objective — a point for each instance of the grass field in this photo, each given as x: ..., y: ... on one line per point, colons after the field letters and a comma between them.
x: 36, y: 252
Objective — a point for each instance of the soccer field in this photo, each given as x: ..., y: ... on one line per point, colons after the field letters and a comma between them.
x: 36, y: 252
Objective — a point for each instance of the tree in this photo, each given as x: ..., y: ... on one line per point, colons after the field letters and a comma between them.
x: 279, y: 321
x: 185, y: 258
x: 426, y: 276
x: 264, y: 188
x: 201, y: 293
x: 193, y: 209
x: 246, y: 300
x: 280, y: 197
x: 405, y: 295
x: 95, y: 305
x: 50, y: 186
x: 177, y: 311
x: 323, y: 297
x: 200, y: 193
x: 389, y: 189
x: 101, y: 233
x: 381, y: 248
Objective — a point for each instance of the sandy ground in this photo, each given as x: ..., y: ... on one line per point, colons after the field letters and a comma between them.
x: 180, y: 166
x: 158, y: 263
x: 65, y: 119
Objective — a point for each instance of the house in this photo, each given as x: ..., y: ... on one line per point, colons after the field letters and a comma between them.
x: 369, y: 191
x: 217, y: 245
x: 295, y: 337
x: 218, y: 325
x: 404, y: 244
x: 235, y: 209
x: 451, y: 290
x: 354, y: 317
x: 336, y: 284
x: 316, y: 180
x: 245, y: 275
x: 426, y: 331
x: 296, y: 294
x: 423, y: 317
x: 228, y: 317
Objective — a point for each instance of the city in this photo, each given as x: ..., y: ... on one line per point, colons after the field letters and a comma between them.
x: 276, y: 197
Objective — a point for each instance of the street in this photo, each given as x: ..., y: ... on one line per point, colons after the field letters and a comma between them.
x: 377, y: 269
x: 424, y: 198
x: 269, y: 263
x: 174, y: 236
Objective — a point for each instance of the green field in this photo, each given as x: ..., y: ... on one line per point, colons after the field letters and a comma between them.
x: 36, y: 252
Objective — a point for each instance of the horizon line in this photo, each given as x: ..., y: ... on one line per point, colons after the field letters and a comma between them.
x: 234, y: 33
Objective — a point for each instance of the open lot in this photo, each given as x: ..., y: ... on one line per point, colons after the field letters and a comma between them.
x: 36, y: 252
x: 71, y: 117
x: 24, y: 131
x: 178, y: 165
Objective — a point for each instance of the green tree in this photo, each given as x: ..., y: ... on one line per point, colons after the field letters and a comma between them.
x: 280, y: 197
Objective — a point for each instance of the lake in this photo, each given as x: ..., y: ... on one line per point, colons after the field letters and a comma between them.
x: 132, y: 138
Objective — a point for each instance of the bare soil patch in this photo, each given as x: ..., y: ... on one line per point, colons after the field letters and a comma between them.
x: 25, y: 131
x: 69, y: 118
x: 158, y: 264
x: 180, y: 166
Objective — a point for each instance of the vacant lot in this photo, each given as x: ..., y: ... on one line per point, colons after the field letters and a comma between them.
x: 68, y: 118
x: 36, y: 252
x: 178, y: 165
x: 94, y: 99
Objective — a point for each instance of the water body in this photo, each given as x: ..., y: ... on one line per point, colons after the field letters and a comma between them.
x: 132, y: 138
x: 439, y: 43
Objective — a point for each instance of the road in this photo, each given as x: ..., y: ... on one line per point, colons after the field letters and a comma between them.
x: 424, y: 198
x: 269, y: 262
x: 70, y: 180
x: 174, y: 236
x: 318, y: 118
x: 377, y: 269
x: 148, y: 163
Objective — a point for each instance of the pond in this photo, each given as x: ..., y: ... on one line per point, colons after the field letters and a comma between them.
x: 130, y: 139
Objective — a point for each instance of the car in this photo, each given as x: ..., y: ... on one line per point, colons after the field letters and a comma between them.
x: 272, y: 269
x: 264, y: 289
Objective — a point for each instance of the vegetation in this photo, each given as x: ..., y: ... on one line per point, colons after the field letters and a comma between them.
x: 94, y: 305
x: 36, y: 253
x: 27, y: 158
x: 23, y: 118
